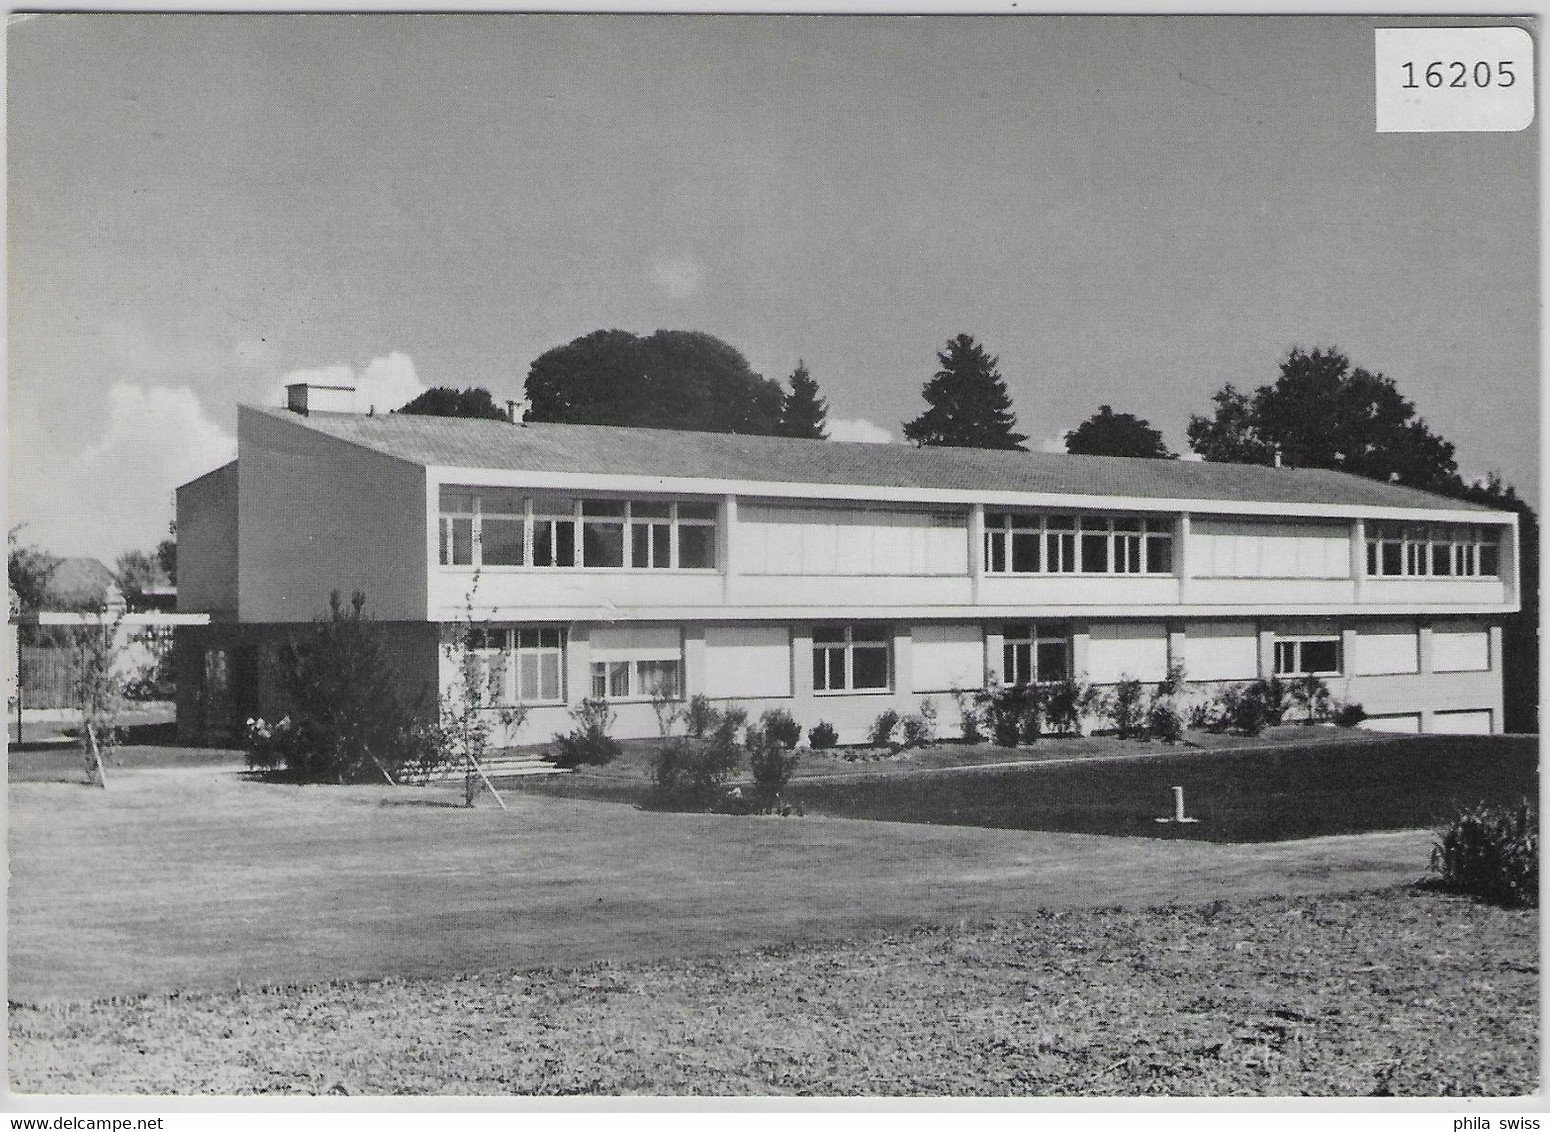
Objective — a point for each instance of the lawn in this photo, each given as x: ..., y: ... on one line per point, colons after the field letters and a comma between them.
x: 1397, y: 992
x: 194, y: 878
x: 1292, y: 782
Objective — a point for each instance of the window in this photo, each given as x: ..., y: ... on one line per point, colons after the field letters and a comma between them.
x: 493, y: 526
x: 1308, y: 656
x: 1415, y: 550
x: 852, y: 658
x: 637, y: 679
x: 539, y: 665
x: 1020, y: 543
x: 1033, y: 654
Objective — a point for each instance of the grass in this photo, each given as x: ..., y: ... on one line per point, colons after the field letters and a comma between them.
x: 192, y: 878
x: 1293, y: 782
x: 1398, y: 992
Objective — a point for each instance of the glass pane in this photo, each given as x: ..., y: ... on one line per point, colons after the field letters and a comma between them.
x: 1286, y: 657
x: 1127, y: 524
x: 500, y: 501
x: 642, y: 509
x: 1488, y: 559
x: 554, y: 506
x: 995, y: 553
x: 1159, y: 554
x: 1017, y: 631
x: 443, y: 542
x: 549, y: 676
x: 1095, y: 554
x: 661, y: 546
x: 659, y: 678
x: 1018, y: 659
x: 1127, y: 554
x: 1391, y: 557
x: 1320, y: 656
x: 1025, y: 522
x: 696, y: 548
x: 462, y: 542
x: 869, y: 666
x: 996, y: 519
x: 527, y: 672
x: 619, y: 678
x: 609, y: 507
x: 1052, y: 660
x: 549, y: 638
x: 870, y: 633
x: 821, y: 668
x: 1025, y: 553
x: 1060, y: 523
x: 602, y: 544
x: 599, y: 680
x: 828, y: 634
x: 565, y: 543
x: 1442, y: 558
x: 696, y: 510
x: 640, y: 547
x: 457, y: 499
x: 501, y: 542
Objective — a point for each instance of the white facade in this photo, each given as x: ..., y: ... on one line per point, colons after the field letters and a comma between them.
x: 836, y: 600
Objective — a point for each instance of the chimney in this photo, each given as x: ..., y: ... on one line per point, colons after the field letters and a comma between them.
x: 516, y: 411
x: 303, y: 397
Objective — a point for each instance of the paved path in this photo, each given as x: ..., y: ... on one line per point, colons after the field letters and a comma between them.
x: 196, y: 878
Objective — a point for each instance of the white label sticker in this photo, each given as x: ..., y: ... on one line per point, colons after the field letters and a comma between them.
x: 1434, y: 80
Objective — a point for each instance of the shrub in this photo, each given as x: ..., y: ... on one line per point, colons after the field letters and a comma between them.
x: 346, y: 722
x: 1164, y: 720
x: 1243, y: 710
x: 1273, y: 695
x: 700, y: 717
x: 1066, y: 702
x: 780, y: 727
x: 918, y: 732
x: 882, y: 732
x: 1312, y: 696
x: 928, y: 717
x: 1032, y: 713
x: 822, y: 736
x: 696, y: 772
x: 589, y: 744
x: 970, y: 724
x: 772, y: 761
x: 732, y: 716
x: 1349, y: 715
x: 1491, y: 852
x: 1126, y: 708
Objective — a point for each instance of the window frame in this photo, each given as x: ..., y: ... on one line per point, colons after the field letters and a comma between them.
x: 1030, y: 635
x: 1065, y: 542
x: 1416, y: 548
x: 635, y: 689
x: 846, y: 648
x: 1295, y: 643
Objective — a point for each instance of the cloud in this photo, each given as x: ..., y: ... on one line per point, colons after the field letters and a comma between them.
x: 860, y: 430
x: 1056, y: 443
x: 119, y: 494
x: 677, y: 277
x: 387, y: 383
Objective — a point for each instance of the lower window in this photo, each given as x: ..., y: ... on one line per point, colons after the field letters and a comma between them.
x: 1032, y: 654
x: 637, y: 679
x: 1308, y: 656
x: 852, y: 658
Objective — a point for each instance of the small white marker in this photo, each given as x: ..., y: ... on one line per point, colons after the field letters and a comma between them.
x: 1178, y: 817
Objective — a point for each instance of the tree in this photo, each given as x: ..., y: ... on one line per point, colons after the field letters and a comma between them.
x: 446, y: 402
x: 803, y: 413
x: 29, y: 571
x: 136, y: 571
x: 969, y: 404
x: 675, y: 379
x: 1323, y: 413
x: 167, y: 553
x: 1107, y: 433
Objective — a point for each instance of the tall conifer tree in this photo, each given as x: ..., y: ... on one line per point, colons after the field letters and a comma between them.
x: 969, y: 404
x: 803, y: 413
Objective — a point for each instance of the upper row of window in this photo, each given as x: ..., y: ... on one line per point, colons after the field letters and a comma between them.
x: 1077, y: 544
x: 1422, y: 550
x: 508, y: 527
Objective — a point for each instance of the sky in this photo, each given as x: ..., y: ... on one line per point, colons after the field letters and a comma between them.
x: 1127, y: 211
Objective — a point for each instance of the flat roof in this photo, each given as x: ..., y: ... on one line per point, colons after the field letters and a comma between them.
x: 604, y: 449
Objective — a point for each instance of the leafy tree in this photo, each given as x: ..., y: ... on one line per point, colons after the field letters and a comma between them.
x: 134, y: 572
x: 969, y: 406
x: 1324, y: 413
x: 167, y: 553
x: 675, y: 379
x: 445, y: 402
x: 803, y: 413
x: 1107, y: 433
x: 29, y: 571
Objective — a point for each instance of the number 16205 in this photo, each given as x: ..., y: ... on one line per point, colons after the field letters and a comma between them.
x: 1456, y: 75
